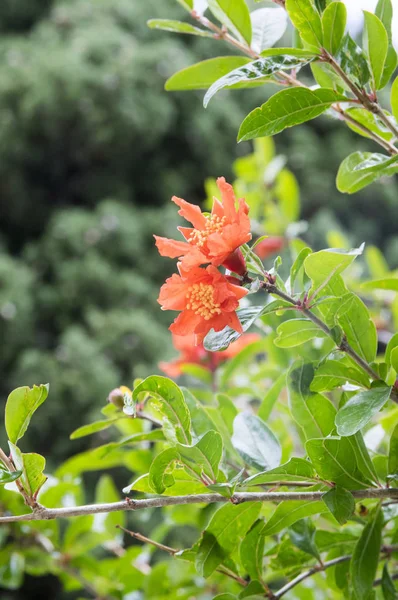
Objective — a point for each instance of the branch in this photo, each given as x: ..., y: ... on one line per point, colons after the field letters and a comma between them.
x: 46, y: 514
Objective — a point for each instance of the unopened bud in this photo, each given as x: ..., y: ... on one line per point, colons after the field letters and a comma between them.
x: 235, y: 262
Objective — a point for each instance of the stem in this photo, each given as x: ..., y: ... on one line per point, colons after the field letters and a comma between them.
x: 10, y: 466
x: 45, y: 514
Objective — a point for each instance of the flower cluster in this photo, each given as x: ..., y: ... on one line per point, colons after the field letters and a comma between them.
x: 206, y: 298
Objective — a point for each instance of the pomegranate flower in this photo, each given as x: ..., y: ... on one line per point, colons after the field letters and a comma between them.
x: 214, y: 238
x: 191, y: 354
x: 206, y: 298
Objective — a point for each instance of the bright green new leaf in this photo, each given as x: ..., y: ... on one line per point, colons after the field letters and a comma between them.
x: 205, y: 456
x: 291, y: 511
x: 21, y: 404
x: 32, y: 466
x: 226, y: 529
x: 392, y: 344
x: 377, y: 46
x: 335, y: 461
x: 341, y: 503
x: 298, y: 266
x: 313, y: 413
x: 370, y: 121
x: 302, y: 535
x: 394, y: 98
x: 252, y: 551
x: 268, y: 26
x: 389, y: 66
x: 296, y: 332
x: 334, y: 21
x: 177, y: 27
x: 353, y: 317
x: 203, y: 74
x: 384, y: 12
x: 388, y: 283
x: 360, y: 169
x: 366, y: 555
x: 94, y: 427
x: 285, y: 109
x: 255, y: 442
x: 323, y: 265
x: 168, y: 399
x: 260, y: 70
x: 159, y: 478
x: 235, y: 15
x: 296, y: 469
x: 393, y: 453
x: 307, y: 21
x: 334, y: 373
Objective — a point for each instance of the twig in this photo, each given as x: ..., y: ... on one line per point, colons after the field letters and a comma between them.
x: 45, y: 514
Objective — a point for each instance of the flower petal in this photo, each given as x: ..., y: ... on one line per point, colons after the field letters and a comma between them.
x: 171, y: 248
x: 190, y: 212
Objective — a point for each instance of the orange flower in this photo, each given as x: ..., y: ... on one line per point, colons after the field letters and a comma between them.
x: 215, y: 238
x: 206, y: 298
x: 191, y: 354
x: 269, y: 246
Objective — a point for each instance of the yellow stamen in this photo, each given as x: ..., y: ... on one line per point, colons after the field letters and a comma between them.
x: 200, y: 298
x: 214, y: 224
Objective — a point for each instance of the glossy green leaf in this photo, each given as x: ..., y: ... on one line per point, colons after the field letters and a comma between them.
x: 168, y: 399
x: 384, y: 12
x: 360, y: 331
x: 334, y: 21
x: 298, y: 266
x: 387, y: 585
x: 323, y: 265
x: 255, y: 442
x: 177, y: 27
x: 366, y: 553
x: 261, y: 69
x: 307, y: 21
x: 313, y: 413
x: 296, y: 469
x: 377, y: 46
x: 8, y: 476
x: 94, y: 428
x: 291, y: 511
x: 21, y: 404
x: 334, y: 373
x: 302, y: 535
x: 393, y: 453
x: 296, y: 332
x: 292, y: 52
x: 334, y: 461
x: 285, y: 109
x: 159, y: 479
x: 394, y: 98
x: 268, y: 26
x: 235, y: 16
x: 352, y: 60
x: 360, y: 169
x: 370, y: 121
x: 389, y: 66
x: 32, y: 466
x: 252, y: 551
x: 220, y: 340
x: 202, y: 75
x: 224, y: 533
x: 341, y: 503
x: 362, y: 457
x: 205, y: 456
x: 393, y: 343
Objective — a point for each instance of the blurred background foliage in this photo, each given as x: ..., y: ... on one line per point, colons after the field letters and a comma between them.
x: 91, y: 150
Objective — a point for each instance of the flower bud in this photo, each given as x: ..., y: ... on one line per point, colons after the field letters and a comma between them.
x: 235, y: 262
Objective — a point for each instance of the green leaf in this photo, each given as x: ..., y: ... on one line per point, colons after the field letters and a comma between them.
x: 334, y: 461
x: 366, y: 553
x: 313, y: 413
x: 296, y: 332
x: 252, y: 551
x: 255, y: 442
x: 224, y: 533
x: 177, y: 27
x: 302, y: 535
x: 291, y: 511
x: 307, y: 21
x: 285, y: 109
x: 259, y: 70
x: 360, y: 331
x: 388, y: 283
x: 392, y: 344
x: 235, y: 16
x: 106, y: 492
x: 389, y: 66
x: 393, y: 453
x: 268, y: 26
x: 203, y: 74
x: 334, y: 21
x: 394, y: 98
x: 352, y: 60
x: 323, y: 265
x: 360, y: 409
x: 12, y: 572
x: 298, y: 265
x: 387, y: 585
x: 93, y: 428
x: 334, y: 373
x: 360, y: 169
x: 292, y: 52
x: 8, y: 476
x: 32, y: 466
x: 296, y: 469
x: 341, y: 503
x: 159, y: 479
x: 270, y: 398
x: 384, y: 12
x: 216, y: 341
x: 205, y: 456
x: 21, y: 404
x: 168, y: 399
x: 377, y: 46
x: 370, y: 121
